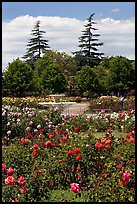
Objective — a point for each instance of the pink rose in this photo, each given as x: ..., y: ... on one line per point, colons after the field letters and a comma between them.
x: 3, y: 167
x: 20, y: 179
x: 9, y: 180
x: 126, y: 176
x: 75, y: 187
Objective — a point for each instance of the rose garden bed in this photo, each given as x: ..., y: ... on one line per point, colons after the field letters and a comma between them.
x: 51, y: 157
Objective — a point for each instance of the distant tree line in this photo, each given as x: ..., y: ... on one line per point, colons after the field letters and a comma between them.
x: 87, y: 73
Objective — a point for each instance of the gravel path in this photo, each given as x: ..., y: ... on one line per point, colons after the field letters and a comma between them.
x: 77, y: 108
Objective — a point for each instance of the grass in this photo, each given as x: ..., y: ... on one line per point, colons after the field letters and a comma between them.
x: 67, y: 196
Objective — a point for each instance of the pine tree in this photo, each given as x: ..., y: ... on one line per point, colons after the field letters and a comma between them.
x: 88, y: 43
x: 36, y: 45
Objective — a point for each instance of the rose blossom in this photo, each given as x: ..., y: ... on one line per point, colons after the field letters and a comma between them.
x: 35, y: 153
x: 27, y: 128
x: 21, y: 179
x: 131, y: 140
x: 108, y: 146
x: 10, y: 172
x: 104, y: 175
x: 3, y: 167
x: 9, y: 132
x: 38, y: 126
x: 9, y: 180
x: 35, y: 146
x: 70, y: 153
x: 76, y: 150
x: 78, y: 157
x: 103, y: 140
x: 23, y: 190
x: 35, y: 130
x: 126, y: 176
x: 23, y: 140
x: 15, y: 201
x: 75, y: 187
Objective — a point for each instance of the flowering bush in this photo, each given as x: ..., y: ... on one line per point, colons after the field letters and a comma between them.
x: 50, y: 152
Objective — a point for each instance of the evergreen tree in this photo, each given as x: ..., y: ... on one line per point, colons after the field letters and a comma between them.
x: 89, y: 45
x: 36, y: 45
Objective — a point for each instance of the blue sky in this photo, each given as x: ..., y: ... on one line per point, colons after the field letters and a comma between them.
x: 80, y: 10
x: 64, y: 22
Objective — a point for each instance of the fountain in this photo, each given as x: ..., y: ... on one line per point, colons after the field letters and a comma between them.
x: 57, y: 101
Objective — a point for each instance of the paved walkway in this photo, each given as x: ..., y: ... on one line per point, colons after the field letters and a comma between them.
x: 77, y: 108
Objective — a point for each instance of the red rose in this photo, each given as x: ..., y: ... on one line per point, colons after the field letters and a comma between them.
x: 78, y: 168
x: 35, y: 153
x: 9, y: 180
x: 78, y: 157
x: 108, y: 146
x: 100, y: 146
x: 10, y: 172
x: 23, y: 190
x: 131, y: 140
x: 29, y: 136
x: 23, y: 140
x: 51, y: 136
x: 52, y: 145
x: 35, y: 146
x: 41, y: 130
x: 47, y: 144
x: 120, y: 166
x: 103, y: 140
x: 120, y: 159
x: 133, y: 127
x: 104, y: 175
x: 70, y: 153
x: 129, y: 134
x: 124, y: 139
x: 76, y: 150
x: 76, y: 129
x: 59, y: 131
x: 108, y: 142
x: 78, y: 176
x: 65, y: 132
x: 15, y: 201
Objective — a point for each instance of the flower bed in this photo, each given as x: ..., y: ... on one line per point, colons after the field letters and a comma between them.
x: 112, y: 103
x: 46, y: 151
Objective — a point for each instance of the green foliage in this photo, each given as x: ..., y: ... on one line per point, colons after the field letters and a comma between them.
x: 116, y: 74
x: 49, y: 77
x: 86, y: 81
x: 66, y: 62
x: 18, y: 77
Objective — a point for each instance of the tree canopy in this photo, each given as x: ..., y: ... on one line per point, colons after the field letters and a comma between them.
x: 18, y: 77
x: 36, y: 45
x: 88, y: 43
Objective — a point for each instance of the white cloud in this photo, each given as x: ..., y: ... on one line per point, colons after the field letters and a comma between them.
x: 115, y: 10
x: 118, y: 36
